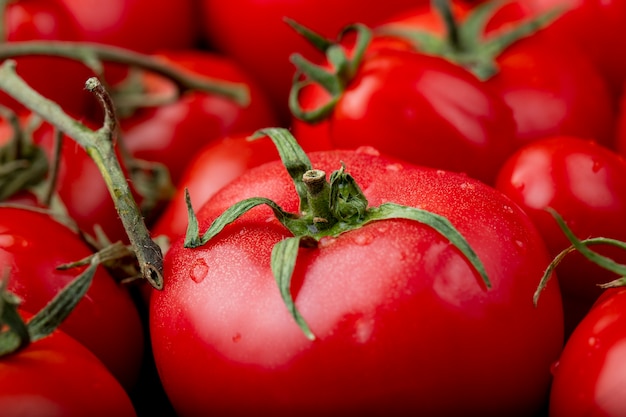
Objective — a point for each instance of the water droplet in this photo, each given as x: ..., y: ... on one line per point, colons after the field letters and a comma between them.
x: 363, y: 239
x: 326, y: 241
x: 394, y: 167
x: 519, y: 186
x: 6, y: 241
x: 508, y: 209
x: 519, y: 243
x: 593, y: 342
x: 467, y: 186
x: 368, y: 150
x: 597, y: 166
x: 237, y: 337
x: 441, y: 172
x: 554, y: 367
x: 199, y: 270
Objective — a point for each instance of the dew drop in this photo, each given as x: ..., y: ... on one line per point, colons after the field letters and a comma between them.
x: 368, y: 150
x: 237, y: 337
x: 441, y: 172
x: 508, y: 209
x: 597, y: 166
x: 554, y: 367
x: 199, y: 271
x: 363, y: 239
x: 467, y: 186
x: 394, y: 167
x: 519, y: 243
x: 326, y: 241
x: 6, y: 241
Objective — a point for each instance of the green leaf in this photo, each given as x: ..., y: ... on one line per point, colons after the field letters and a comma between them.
x: 435, y: 221
x: 315, y: 39
x: 284, y: 255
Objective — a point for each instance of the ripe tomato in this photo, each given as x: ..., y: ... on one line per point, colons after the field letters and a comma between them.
x: 586, y: 184
x: 32, y: 246
x: 141, y: 25
x: 172, y: 134
x: 546, y: 96
x: 63, y: 80
x: 57, y: 376
x: 420, y: 108
x: 590, y: 376
x: 229, y: 30
x: 603, y: 21
x: 400, y: 317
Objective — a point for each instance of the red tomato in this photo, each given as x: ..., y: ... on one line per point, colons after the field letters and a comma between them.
x: 586, y: 184
x: 595, y: 25
x: 63, y: 79
x: 401, y: 319
x: 141, y: 25
x: 57, y: 376
x: 416, y: 107
x: 106, y: 321
x: 233, y: 26
x: 590, y: 376
x: 620, y: 140
x: 171, y: 134
x: 549, y: 83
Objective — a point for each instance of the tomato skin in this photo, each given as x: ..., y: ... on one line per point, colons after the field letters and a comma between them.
x: 57, y: 376
x: 106, y: 321
x: 589, y: 378
x: 144, y: 26
x: 387, y: 337
x: 173, y: 133
x: 586, y: 184
x: 230, y: 31
x: 402, y: 104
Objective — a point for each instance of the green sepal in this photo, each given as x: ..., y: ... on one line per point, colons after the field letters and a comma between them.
x: 294, y: 159
x: 334, y: 80
x: 194, y: 240
x: 283, y: 262
x: 347, y: 201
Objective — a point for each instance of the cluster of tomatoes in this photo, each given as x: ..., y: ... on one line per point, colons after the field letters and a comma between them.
x: 411, y: 207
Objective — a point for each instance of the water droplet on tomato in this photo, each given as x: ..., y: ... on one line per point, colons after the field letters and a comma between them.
x: 467, y: 186
x: 363, y: 239
x: 519, y: 244
x: 199, y: 271
x: 394, y: 167
x: 508, y: 209
x: 6, y: 241
x: 368, y: 150
x: 554, y: 367
x: 597, y: 166
x: 237, y: 337
x: 326, y: 241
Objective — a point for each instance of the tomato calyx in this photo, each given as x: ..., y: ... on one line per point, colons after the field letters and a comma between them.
x: 327, y: 208
x: 334, y: 79
x: 464, y: 42
x: 583, y: 247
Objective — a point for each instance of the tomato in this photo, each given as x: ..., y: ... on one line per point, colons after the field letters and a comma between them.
x: 63, y: 80
x: 141, y: 25
x: 232, y: 31
x: 57, y: 376
x: 586, y: 184
x: 547, y: 96
x: 603, y: 22
x: 620, y: 140
x: 214, y: 166
x: 171, y: 134
x: 590, y: 376
x: 424, y: 109
x: 403, y: 325
x: 32, y: 246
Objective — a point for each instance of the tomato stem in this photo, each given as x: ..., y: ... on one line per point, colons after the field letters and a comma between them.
x: 92, y: 55
x: 99, y: 146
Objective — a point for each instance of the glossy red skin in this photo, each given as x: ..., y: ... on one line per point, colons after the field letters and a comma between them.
x: 549, y: 83
x: 391, y: 304
x: 620, y: 135
x: 589, y: 378
x: 141, y: 25
x: 172, y: 134
x: 586, y: 184
x: 214, y: 166
x: 603, y: 21
x: 63, y: 80
x: 416, y: 107
x: 229, y: 30
x: 106, y: 321
x: 57, y: 376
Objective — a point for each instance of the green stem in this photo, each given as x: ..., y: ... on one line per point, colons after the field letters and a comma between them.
x: 452, y: 28
x: 99, y: 146
x: 91, y: 54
